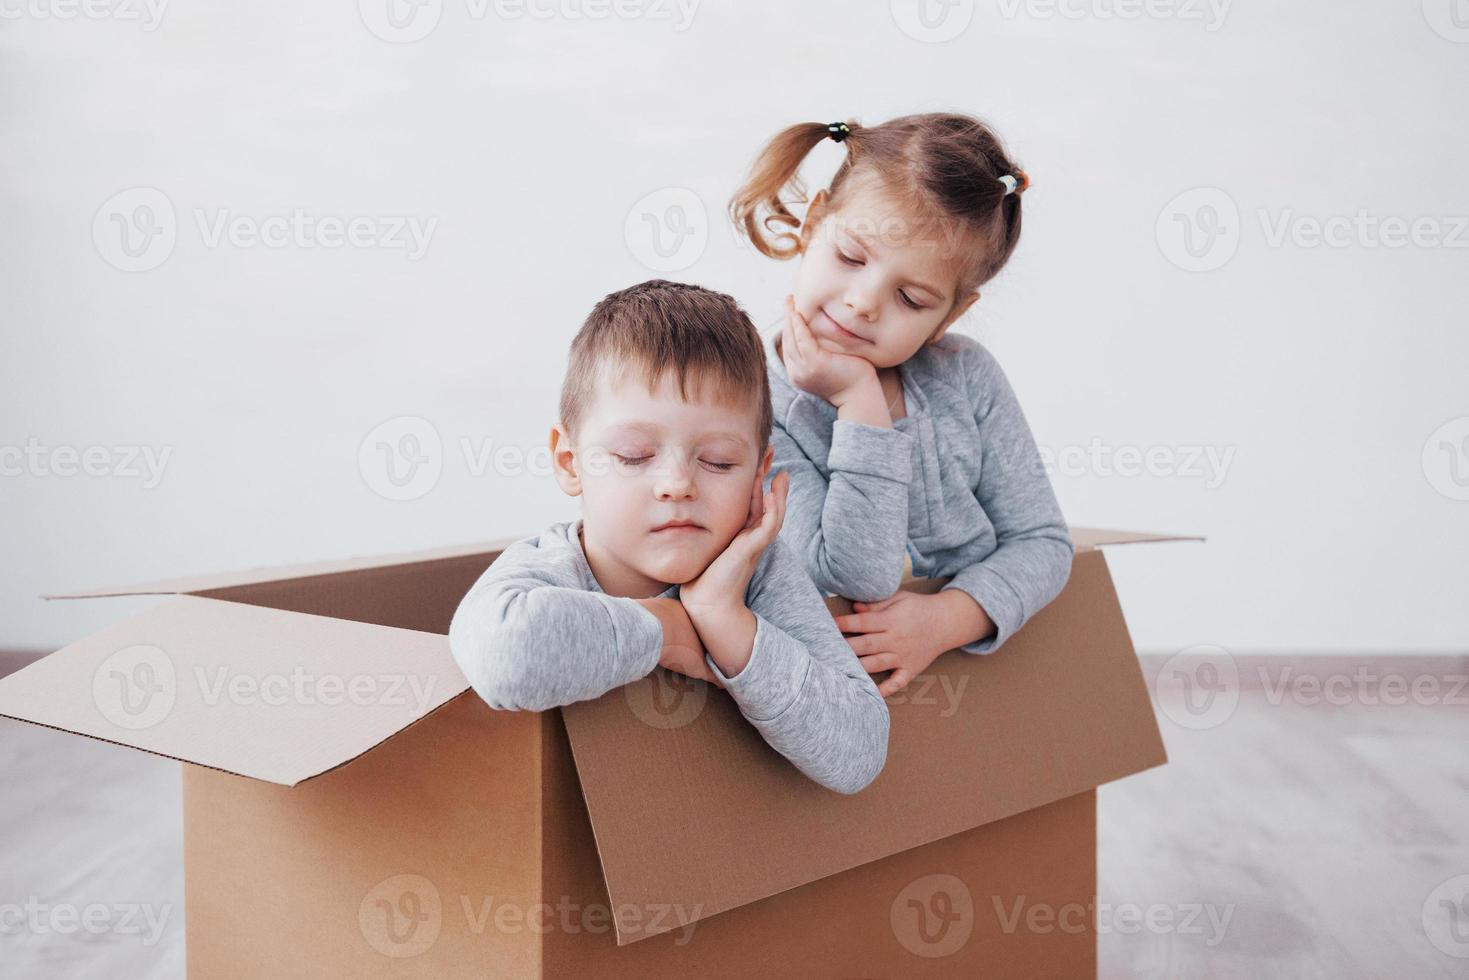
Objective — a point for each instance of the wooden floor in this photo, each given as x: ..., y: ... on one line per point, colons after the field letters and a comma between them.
x: 1288, y: 840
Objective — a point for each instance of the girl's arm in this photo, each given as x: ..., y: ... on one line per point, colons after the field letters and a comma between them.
x: 850, y: 531
x: 1033, y: 559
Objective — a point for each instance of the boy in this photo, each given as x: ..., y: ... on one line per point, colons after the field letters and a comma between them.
x: 665, y: 435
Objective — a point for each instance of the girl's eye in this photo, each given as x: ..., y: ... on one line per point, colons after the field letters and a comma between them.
x: 631, y: 460
x: 721, y: 467
x: 849, y: 260
x: 908, y: 302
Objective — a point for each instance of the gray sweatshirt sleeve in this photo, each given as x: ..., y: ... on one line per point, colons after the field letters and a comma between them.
x: 850, y: 529
x: 1032, y: 560
x: 803, y: 688
x: 528, y: 636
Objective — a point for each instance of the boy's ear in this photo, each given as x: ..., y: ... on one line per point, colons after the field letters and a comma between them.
x: 564, y: 462
x: 766, y: 461
x: 815, y: 211
x: 961, y: 305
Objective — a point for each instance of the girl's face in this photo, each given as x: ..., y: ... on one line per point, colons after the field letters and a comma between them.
x: 873, y: 281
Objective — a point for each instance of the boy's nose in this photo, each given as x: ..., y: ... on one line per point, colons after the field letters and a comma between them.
x: 675, y: 478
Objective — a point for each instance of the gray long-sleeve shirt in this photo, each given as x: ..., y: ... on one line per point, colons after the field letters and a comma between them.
x: 957, y: 483
x: 536, y: 631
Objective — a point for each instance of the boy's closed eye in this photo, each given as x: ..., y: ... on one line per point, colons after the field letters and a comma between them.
x: 636, y: 459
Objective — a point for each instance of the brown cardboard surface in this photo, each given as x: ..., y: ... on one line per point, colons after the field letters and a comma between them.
x: 221, y: 684
x: 384, y: 867
x: 1025, y: 734
x: 214, y: 582
x: 462, y: 848
x: 931, y: 911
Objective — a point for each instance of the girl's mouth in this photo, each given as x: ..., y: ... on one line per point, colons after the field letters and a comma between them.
x: 841, y: 332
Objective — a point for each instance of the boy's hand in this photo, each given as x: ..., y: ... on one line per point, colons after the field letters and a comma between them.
x: 720, y: 590
x: 820, y: 370
x: 682, y: 652
x: 907, y: 631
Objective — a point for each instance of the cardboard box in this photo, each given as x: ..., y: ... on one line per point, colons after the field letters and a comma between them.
x: 352, y: 809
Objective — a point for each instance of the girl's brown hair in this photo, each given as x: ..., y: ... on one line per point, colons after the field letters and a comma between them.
x: 945, y: 166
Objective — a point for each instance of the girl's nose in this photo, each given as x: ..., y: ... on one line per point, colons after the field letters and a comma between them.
x: 861, y: 301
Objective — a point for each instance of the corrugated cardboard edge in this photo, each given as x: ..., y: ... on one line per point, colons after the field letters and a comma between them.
x: 1085, y: 539
x: 1091, y: 538
x: 278, y: 573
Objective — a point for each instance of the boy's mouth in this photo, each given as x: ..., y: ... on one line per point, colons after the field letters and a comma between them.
x: 679, y: 525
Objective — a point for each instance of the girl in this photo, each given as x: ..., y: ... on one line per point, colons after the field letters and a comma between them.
x: 903, y: 443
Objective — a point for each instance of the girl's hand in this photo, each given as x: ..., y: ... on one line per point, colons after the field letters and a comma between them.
x: 821, y: 370
x: 907, y: 632
x: 721, y: 587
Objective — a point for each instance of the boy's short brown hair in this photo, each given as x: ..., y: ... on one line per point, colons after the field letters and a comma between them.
x: 659, y: 326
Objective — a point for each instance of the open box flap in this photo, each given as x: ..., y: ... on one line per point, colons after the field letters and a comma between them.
x: 1091, y: 538
x: 273, y: 695
x: 219, y: 583
x: 693, y: 811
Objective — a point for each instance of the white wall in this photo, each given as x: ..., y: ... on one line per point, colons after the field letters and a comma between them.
x: 1319, y: 373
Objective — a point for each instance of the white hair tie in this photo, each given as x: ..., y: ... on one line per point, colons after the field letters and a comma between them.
x: 1014, y: 184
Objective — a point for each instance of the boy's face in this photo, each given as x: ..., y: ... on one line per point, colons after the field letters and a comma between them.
x: 873, y: 282
x: 642, y: 459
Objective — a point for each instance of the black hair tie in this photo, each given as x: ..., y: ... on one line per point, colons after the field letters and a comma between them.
x: 838, y: 131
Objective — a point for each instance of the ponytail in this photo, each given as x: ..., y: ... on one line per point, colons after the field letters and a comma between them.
x: 758, y: 208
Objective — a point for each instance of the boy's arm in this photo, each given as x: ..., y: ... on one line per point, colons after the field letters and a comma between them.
x: 851, y: 531
x: 528, y: 641
x: 1033, y: 559
x: 800, y: 685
